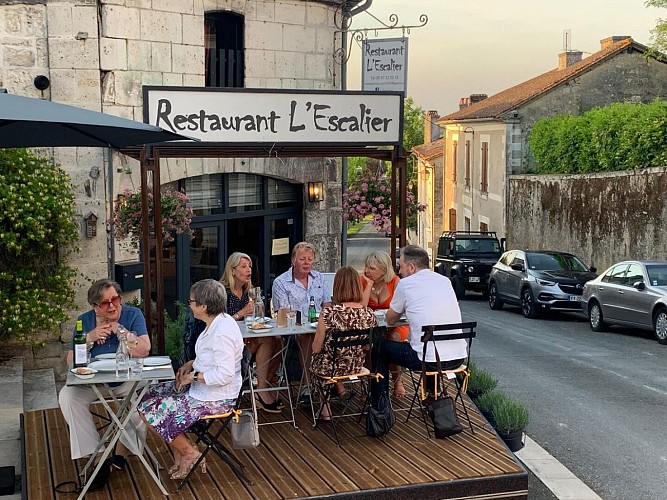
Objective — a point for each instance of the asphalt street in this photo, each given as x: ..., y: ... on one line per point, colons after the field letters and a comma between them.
x: 597, y: 399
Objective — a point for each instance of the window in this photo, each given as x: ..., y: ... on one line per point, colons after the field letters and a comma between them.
x: 455, y: 156
x: 483, y: 226
x: 468, y: 151
x: 485, y: 168
x: 634, y: 275
x: 615, y: 275
x: 452, y: 219
x: 466, y: 224
x: 223, y: 47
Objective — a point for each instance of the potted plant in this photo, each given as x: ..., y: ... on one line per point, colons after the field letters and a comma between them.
x: 480, y: 381
x: 486, y: 402
x: 511, y: 418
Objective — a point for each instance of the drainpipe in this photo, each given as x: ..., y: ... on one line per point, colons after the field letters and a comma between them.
x: 347, y: 15
x: 111, y: 248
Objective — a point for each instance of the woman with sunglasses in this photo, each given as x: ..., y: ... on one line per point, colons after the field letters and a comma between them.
x: 100, y: 325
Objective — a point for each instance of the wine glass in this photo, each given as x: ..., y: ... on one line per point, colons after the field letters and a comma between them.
x: 132, y: 340
x: 252, y: 293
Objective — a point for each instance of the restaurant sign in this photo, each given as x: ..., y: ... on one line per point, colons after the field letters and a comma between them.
x: 385, y: 64
x: 275, y: 116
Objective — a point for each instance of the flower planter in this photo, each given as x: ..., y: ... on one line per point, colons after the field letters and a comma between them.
x: 513, y: 440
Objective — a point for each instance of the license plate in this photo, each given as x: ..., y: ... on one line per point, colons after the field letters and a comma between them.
x: 474, y: 279
x: 575, y: 298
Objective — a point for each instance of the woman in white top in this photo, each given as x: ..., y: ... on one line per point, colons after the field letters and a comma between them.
x: 214, y: 377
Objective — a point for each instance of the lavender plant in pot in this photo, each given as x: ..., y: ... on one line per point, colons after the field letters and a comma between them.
x: 511, y: 418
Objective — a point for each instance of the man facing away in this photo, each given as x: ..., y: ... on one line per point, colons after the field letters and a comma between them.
x: 426, y: 298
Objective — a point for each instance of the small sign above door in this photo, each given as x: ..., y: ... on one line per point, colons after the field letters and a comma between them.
x: 280, y: 246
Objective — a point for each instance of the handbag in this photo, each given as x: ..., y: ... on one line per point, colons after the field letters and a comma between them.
x: 380, y: 419
x: 245, y: 432
x: 441, y: 409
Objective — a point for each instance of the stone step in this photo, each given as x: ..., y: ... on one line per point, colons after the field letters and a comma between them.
x: 39, y: 389
x: 11, y: 407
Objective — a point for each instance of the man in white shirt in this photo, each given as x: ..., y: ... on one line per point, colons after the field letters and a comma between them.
x: 426, y: 298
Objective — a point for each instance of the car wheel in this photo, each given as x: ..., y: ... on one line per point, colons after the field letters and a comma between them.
x: 459, y: 287
x: 660, y: 325
x: 494, y: 301
x: 528, y: 304
x: 595, y: 318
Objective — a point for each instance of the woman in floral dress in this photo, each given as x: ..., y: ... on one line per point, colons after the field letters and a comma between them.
x: 347, y: 313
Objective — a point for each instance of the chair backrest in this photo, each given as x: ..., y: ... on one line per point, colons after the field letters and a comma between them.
x: 466, y: 331
x: 341, y: 339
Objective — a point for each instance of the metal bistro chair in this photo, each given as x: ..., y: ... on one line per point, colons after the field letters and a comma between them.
x: 211, y: 438
x: 460, y: 374
x: 339, y: 340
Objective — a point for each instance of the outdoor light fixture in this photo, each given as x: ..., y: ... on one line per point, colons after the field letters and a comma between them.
x: 315, y: 191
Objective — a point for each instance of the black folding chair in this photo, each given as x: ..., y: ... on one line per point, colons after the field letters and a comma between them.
x: 204, y: 432
x: 340, y: 340
x: 460, y: 374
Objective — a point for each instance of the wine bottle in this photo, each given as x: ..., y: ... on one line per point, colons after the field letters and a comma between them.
x: 80, y: 346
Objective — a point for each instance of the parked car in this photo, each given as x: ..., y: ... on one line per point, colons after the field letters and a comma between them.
x: 631, y: 293
x: 538, y: 281
x: 466, y: 257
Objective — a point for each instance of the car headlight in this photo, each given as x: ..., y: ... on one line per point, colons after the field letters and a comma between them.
x: 471, y: 269
x: 545, y: 282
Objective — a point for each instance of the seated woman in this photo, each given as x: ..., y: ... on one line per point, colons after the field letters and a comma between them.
x: 379, y: 282
x: 214, y: 377
x: 347, y: 313
x: 236, y: 279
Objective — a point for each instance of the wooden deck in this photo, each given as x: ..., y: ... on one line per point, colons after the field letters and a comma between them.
x: 301, y: 463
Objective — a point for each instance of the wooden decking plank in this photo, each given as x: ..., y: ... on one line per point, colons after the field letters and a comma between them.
x: 37, y: 459
x: 64, y: 468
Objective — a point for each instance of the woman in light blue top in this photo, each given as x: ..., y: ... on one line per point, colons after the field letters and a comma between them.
x: 214, y: 377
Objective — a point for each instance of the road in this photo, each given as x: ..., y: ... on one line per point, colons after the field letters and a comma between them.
x: 597, y: 399
x: 364, y: 242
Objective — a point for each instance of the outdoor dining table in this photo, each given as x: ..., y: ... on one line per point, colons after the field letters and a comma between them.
x: 120, y: 417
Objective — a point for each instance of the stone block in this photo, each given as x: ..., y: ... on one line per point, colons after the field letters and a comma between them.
x: 198, y: 7
x: 161, y: 56
x: 84, y: 18
x: 88, y: 88
x: 324, y: 41
x: 19, y: 58
x: 318, y: 66
x: 113, y: 54
x: 139, y: 55
x: 298, y: 39
x: 303, y: 84
x: 63, y: 84
x: 316, y: 14
x: 121, y: 22
x: 72, y: 53
x: 265, y: 11
x: 324, y: 85
x: 59, y: 20
x: 290, y: 13
x: 290, y: 65
x: 139, y: 4
x: 193, y: 30
x: 260, y: 63
x: 180, y: 6
x: 172, y: 79
x: 128, y: 88
x: 263, y: 35
x: 194, y: 80
x: 108, y: 88
x: 151, y: 78
x: 28, y: 20
x: 161, y: 26
x: 187, y: 59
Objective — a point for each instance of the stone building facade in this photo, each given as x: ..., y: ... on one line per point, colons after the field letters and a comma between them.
x: 98, y: 54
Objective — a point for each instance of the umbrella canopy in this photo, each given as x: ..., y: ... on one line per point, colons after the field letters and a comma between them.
x: 27, y: 122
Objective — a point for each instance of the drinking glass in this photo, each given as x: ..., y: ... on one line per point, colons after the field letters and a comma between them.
x: 132, y: 341
x: 291, y: 317
x: 136, y: 366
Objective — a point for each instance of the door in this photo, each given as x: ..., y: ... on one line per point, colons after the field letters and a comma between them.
x: 636, y: 304
x: 281, y: 235
x: 611, y: 290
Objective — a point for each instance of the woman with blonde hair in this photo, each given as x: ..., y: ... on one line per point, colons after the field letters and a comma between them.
x: 347, y: 313
x: 379, y: 282
x: 236, y: 278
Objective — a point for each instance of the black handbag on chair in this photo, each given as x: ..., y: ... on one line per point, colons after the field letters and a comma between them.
x: 380, y: 419
x: 441, y: 409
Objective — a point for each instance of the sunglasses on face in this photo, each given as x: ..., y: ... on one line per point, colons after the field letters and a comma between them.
x: 107, y: 303
x: 191, y: 301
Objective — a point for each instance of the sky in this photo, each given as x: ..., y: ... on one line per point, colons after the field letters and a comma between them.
x: 486, y: 46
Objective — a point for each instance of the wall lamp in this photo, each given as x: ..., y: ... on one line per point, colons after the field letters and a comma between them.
x: 315, y: 191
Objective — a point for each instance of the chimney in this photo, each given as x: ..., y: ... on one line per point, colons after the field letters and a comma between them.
x: 430, y: 126
x: 606, y: 42
x: 464, y: 102
x: 568, y: 58
x: 474, y: 98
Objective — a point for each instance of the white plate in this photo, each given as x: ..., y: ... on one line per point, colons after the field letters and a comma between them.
x: 106, y: 355
x: 157, y: 361
x: 86, y: 376
x: 104, y: 365
x: 314, y: 325
x: 380, y: 312
x: 260, y: 330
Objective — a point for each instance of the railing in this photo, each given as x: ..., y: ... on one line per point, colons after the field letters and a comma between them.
x: 225, y: 68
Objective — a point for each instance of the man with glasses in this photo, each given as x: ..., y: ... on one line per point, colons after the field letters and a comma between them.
x: 100, y: 325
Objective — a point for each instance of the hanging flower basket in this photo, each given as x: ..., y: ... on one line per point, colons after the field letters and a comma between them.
x: 176, y: 216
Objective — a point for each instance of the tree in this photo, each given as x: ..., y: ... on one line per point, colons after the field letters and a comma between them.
x: 659, y: 33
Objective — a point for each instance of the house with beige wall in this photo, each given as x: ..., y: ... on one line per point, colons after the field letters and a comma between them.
x: 486, y: 141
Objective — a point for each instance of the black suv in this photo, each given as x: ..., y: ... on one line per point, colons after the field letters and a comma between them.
x: 466, y: 257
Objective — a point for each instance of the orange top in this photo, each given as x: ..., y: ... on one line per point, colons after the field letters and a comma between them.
x: 404, y: 330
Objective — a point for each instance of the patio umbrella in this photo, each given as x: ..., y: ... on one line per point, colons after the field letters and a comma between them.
x: 28, y: 122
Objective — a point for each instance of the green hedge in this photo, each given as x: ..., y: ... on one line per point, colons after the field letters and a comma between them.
x: 621, y: 136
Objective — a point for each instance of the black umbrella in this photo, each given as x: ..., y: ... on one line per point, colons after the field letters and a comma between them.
x: 27, y: 122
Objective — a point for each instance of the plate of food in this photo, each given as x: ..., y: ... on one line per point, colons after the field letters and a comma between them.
x: 84, y: 372
x: 157, y: 361
x: 104, y: 365
x: 259, y: 327
x: 313, y: 325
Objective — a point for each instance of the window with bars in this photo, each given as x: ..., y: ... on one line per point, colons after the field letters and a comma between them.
x: 223, y: 48
x: 485, y: 168
x: 468, y: 152
x: 455, y: 157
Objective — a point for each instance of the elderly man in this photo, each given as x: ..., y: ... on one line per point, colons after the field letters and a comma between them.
x: 426, y: 298
x: 296, y: 286
x: 100, y: 325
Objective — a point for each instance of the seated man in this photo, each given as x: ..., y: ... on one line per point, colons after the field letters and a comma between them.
x: 426, y: 298
x: 100, y: 325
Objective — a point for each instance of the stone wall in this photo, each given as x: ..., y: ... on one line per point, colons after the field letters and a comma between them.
x: 602, y: 218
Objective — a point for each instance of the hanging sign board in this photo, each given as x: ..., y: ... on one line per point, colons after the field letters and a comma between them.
x: 261, y: 116
x: 385, y: 65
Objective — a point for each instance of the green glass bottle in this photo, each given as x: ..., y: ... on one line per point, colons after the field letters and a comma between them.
x: 80, y: 347
x: 312, y: 312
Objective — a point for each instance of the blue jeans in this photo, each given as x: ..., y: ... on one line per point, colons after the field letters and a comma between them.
x: 389, y: 352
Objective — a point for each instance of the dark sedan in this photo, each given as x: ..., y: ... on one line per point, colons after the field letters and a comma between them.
x: 538, y: 281
x: 631, y: 293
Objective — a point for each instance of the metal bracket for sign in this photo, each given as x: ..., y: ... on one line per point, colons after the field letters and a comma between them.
x: 344, y: 24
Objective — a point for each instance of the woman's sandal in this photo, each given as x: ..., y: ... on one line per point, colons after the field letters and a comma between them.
x: 182, y: 473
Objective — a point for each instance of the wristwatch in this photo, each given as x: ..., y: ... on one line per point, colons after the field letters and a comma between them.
x: 196, y: 376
